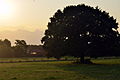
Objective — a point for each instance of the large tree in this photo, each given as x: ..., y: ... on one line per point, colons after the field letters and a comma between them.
x: 80, y: 31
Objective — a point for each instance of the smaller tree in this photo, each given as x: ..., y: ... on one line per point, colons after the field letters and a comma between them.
x: 5, y: 49
x: 7, y: 42
x: 20, y: 48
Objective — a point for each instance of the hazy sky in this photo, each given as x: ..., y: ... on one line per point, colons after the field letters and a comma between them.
x: 27, y: 19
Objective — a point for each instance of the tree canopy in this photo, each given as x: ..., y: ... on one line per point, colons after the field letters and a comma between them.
x: 21, y: 48
x: 5, y: 48
x: 81, y: 31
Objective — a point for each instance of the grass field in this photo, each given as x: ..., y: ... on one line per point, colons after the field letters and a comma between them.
x: 104, y: 69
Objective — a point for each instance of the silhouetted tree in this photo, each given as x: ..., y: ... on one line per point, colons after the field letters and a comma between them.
x: 80, y: 31
x: 20, y: 48
x: 5, y: 49
x: 7, y: 42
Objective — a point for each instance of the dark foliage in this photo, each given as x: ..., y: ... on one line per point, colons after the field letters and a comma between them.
x: 20, y: 48
x: 81, y: 31
x: 6, y: 49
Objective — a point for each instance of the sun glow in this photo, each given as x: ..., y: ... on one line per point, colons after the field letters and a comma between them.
x: 6, y: 9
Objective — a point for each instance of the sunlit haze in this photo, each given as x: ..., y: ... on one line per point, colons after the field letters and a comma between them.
x: 27, y: 19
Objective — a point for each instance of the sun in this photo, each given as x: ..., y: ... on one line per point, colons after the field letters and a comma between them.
x: 6, y: 9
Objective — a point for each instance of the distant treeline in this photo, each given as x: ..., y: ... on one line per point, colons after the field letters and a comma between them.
x: 20, y: 49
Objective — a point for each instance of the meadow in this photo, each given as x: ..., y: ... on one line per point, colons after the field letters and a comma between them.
x: 104, y: 69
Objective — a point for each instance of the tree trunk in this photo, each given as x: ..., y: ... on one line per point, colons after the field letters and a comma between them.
x: 82, y: 60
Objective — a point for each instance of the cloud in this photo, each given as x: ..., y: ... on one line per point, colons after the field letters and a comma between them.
x: 31, y: 37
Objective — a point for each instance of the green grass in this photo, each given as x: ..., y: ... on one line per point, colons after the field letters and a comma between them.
x: 24, y: 59
x: 104, y: 69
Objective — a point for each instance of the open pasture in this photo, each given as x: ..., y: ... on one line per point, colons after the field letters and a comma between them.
x: 104, y: 69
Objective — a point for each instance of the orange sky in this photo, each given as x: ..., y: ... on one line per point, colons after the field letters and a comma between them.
x: 27, y: 19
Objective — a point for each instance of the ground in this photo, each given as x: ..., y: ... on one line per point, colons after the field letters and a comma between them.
x: 104, y: 69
